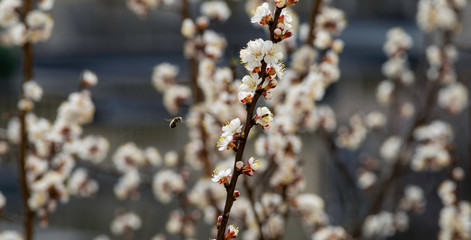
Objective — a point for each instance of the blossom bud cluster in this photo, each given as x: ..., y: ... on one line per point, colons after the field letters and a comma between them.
x: 263, y: 15
x: 454, y: 221
x: 178, y: 223
x: 444, y: 15
x: 439, y: 15
x: 125, y: 222
x: 55, y: 147
x: 37, y: 27
x: 433, y: 151
x: 353, y: 136
x: 385, y: 224
x: 311, y: 208
x: 441, y: 61
x: 455, y: 216
x: 128, y: 160
x: 413, y: 199
x: 164, y: 80
x: 396, y: 68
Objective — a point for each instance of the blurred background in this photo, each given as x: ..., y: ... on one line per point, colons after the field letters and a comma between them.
x: 121, y: 48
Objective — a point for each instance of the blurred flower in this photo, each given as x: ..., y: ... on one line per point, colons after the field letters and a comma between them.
x: 330, y: 233
x: 142, y: 7
x: 453, y: 97
x: 413, y: 199
x: 217, y: 10
x: 390, y: 148
x: 3, y: 201
x: 128, y: 184
x: 124, y: 222
x: 164, y: 74
x: 188, y: 31
x: 39, y: 25
x: 166, y: 184
x: 81, y: 185
x: 89, y: 78
x: 384, y: 92
x: 46, y: 5
x: 32, y: 90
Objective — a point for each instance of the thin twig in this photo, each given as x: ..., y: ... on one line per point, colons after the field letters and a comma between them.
x: 252, y: 205
x: 316, y: 8
x: 28, y: 65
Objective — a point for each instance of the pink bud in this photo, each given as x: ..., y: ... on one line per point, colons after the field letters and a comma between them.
x: 239, y: 165
x: 236, y: 194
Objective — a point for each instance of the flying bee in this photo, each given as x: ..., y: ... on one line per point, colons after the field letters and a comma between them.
x: 175, y: 121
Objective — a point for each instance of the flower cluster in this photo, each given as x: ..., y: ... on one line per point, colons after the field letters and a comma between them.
x: 396, y: 68
x: 164, y: 80
x: 80, y: 184
x: 54, y: 148
x: 37, y: 27
x: 413, y: 199
x: 439, y: 15
x: 167, y: 184
x: 433, y: 152
x: 125, y: 222
x: 311, y: 208
x: 353, y: 136
x: 262, y: 59
x: 385, y: 224
x: 179, y: 223
x: 217, y: 10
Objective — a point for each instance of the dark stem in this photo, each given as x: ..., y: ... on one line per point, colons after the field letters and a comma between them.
x: 28, y: 62
x: 316, y: 8
x: 272, y: 26
x: 240, y: 151
x: 399, y: 167
x: 250, y: 107
x: 251, y: 196
x: 342, y: 168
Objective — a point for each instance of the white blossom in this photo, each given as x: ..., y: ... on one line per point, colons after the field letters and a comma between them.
x: 32, y: 90
x: 216, y: 9
x: 40, y: 26
x: 127, y: 221
x: 454, y: 97
x: 166, y: 184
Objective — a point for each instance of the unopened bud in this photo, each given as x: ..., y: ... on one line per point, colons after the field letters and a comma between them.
x: 236, y: 194
x: 202, y: 22
x: 239, y: 165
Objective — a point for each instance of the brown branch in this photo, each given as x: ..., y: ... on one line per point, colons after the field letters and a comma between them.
x: 316, y: 8
x: 332, y: 148
x: 28, y: 65
x: 272, y: 25
x: 250, y: 107
x: 252, y: 205
x: 399, y: 167
x: 197, y: 94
